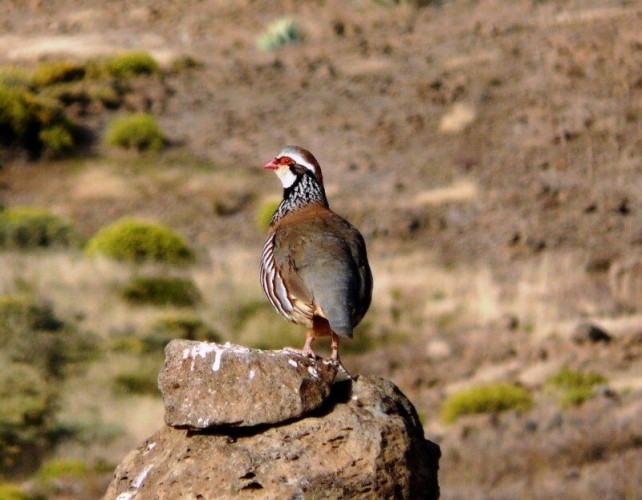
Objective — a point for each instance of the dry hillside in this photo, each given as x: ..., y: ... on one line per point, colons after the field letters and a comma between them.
x: 490, y: 151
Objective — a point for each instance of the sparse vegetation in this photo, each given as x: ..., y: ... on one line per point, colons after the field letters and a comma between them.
x: 61, y: 71
x: 25, y: 119
x: 161, y: 291
x: 26, y: 408
x: 549, y: 189
x: 54, y: 469
x: 281, y: 32
x: 10, y: 491
x: 139, y: 382
x: 575, y: 387
x: 32, y: 227
x: 133, y: 63
x: 31, y: 333
x: 486, y: 398
x: 137, y: 240
x: 136, y: 131
x: 184, y: 63
x: 14, y: 76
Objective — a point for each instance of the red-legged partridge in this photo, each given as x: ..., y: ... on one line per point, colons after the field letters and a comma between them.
x: 314, y: 266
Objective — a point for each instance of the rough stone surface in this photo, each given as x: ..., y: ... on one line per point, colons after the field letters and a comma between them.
x: 366, y: 441
x: 207, y: 384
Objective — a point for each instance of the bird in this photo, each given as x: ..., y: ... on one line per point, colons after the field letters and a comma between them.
x: 314, y: 267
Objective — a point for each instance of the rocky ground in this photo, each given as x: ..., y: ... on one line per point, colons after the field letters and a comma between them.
x: 491, y: 153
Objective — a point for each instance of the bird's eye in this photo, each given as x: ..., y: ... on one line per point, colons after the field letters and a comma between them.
x: 286, y: 160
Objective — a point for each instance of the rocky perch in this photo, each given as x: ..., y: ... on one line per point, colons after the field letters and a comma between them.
x: 272, y: 424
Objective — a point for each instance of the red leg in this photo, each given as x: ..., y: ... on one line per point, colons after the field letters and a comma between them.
x: 307, y: 347
x: 335, y: 353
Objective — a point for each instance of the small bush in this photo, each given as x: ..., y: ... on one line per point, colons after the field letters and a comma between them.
x: 51, y: 72
x: 30, y: 333
x: 265, y: 211
x: 10, y: 491
x: 14, y: 115
x: 24, y: 115
x: 485, y: 398
x: 24, y: 396
x: 21, y: 313
x: 108, y: 95
x: 57, y: 139
x: 189, y: 327
x: 184, y: 63
x: 30, y: 227
x: 136, y: 131
x: 127, y: 345
x: 161, y: 291
x: 134, y: 63
x: 574, y: 387
x: 281, y: 32
x: 136, y: 240
x: 14, y: 76
x: 137, y: 382
x: 54, y: 469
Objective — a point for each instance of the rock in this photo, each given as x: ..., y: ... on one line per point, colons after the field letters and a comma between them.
x: 587, y: 332
x: 366, y: 441
x: 206, y: 384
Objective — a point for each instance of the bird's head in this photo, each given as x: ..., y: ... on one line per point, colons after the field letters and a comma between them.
x: 293, y: 162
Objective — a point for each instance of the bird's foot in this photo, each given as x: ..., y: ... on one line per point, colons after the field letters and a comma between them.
x: 334, y: 358
x: 306, y: 352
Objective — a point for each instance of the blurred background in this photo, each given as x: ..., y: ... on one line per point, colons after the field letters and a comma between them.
x: 490, y: 151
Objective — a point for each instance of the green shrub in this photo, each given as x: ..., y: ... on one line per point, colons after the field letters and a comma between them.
x: 127, y: 345
x: 161, y: 291
x: 51, y: 72
x: 24, y: 397
x: 185, y: 326
x: 14, y: 115
x: 485, y: 398
x: 132, y: 63
x: 10, y: 491
x: 136, y: 240
x: 30, y: 333
x: 281, y: 32
x: 30, y: 227
x: 24, y: 116
x: 107, y: 94
x: 136, y: 131
x: 21, y: 313
x: 265, y: 211
x: 142, y: 381
x: 57, y: 139
x: 574, y: 387
x: 14, y: 76
x: 57, y: 468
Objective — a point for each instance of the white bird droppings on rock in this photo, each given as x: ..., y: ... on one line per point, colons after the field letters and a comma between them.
x: 196, y: 387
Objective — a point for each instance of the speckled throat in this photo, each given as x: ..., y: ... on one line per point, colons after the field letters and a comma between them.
x: 305, y: 191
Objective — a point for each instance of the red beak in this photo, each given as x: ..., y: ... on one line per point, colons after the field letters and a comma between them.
x: 272, y: 164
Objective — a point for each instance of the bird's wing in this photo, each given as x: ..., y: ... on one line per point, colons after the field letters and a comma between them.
x: 318, y: 255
